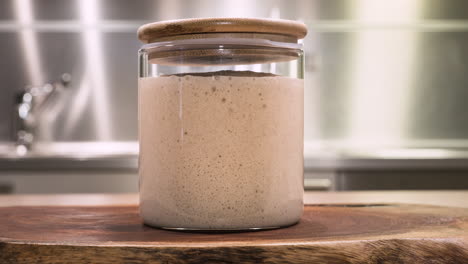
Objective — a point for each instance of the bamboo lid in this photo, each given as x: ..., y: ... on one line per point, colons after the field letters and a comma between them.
x: 164, y: 30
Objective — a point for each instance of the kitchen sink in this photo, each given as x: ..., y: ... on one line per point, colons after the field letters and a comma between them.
x: 68, y: 155
x: 69, y: 167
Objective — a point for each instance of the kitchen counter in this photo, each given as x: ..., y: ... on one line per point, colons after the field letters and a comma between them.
x: 441, y: 198
x: 329, y: 156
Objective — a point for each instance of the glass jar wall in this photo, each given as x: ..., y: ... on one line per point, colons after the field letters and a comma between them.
x: 221, y: 124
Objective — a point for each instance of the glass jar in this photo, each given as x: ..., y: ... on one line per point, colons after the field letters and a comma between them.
x: 221, y: 123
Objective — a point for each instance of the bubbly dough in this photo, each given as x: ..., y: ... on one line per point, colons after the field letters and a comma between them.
x: 221, y: 150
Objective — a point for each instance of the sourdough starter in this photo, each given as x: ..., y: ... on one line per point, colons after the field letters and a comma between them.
x: 221, y: 150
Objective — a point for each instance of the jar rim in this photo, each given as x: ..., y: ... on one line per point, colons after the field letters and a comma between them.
x: 218, y: 43
x: 153, y: 32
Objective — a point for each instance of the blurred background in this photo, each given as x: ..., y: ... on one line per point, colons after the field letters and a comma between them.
x: 385, y: 102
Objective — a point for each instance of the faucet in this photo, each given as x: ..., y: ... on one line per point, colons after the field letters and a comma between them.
x: 30, y: 103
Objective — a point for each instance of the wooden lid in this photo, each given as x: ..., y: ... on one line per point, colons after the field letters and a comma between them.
x: 153, y: 32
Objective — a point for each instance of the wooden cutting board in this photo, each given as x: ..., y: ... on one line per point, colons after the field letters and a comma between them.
x: 379, y: 233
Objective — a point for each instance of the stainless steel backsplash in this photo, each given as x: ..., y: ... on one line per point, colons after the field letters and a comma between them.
x: 378, y: 72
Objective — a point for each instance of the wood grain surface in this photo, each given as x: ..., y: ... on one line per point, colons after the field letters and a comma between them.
x: 157, y: 31
x: 379, y: 233
x: 441, y: 198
